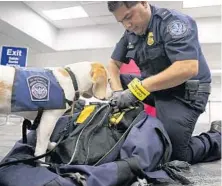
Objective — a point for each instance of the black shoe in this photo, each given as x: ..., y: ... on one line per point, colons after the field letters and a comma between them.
x: 216, y: 126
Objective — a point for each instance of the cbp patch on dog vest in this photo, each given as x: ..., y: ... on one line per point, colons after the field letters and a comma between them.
x: 34, y: 88
x: 39, y: 87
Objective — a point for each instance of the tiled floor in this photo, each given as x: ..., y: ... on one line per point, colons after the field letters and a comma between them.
x: 205, y: 174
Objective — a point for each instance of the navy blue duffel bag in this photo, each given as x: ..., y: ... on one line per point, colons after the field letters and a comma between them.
x: 99, y: 148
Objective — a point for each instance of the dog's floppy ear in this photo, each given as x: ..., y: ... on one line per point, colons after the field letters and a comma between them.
x: 99, y: 79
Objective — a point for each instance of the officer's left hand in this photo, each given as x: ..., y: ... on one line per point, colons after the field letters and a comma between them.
x: 124, y: 99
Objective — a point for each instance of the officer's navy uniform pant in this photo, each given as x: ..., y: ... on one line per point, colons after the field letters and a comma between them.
x: 179, y: 120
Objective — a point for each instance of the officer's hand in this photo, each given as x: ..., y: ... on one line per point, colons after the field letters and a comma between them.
x: 116, y: 94
x: 115, y: 97
x: 126, y: 98
x: 123, y: 99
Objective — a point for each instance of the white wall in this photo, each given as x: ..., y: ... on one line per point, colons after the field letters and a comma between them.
x: 91, y: 37
x: 209, y: 29
x: 67, y: 57
x: 24, y: 19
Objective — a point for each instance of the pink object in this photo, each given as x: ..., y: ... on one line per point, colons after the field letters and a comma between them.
x: 131, y: 68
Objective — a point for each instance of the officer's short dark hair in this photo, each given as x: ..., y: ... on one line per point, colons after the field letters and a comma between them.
x: 114, y: 5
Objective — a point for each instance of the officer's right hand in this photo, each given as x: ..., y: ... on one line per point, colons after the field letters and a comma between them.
x: 123, y: 99
x: 115, y: 96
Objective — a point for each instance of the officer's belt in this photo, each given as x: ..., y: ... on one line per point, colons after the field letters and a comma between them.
x: 204, y: 88
x: 180, y: 90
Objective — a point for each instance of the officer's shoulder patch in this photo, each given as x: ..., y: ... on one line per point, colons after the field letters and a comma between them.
x: 163, y: 13
x: 177, y: 28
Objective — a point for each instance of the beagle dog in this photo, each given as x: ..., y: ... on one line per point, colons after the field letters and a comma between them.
x: 71, y: 81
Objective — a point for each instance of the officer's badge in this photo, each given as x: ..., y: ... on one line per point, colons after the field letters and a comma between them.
x: 150, y: 39
x: 177, y: 29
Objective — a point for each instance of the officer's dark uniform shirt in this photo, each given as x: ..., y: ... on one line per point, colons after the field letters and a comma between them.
x: 171, y: 36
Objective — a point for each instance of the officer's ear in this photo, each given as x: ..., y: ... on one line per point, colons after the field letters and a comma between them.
x: 144, y: 3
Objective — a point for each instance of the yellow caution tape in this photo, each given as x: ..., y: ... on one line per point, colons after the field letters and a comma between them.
x: 138, y: 90
x: 85, y: 113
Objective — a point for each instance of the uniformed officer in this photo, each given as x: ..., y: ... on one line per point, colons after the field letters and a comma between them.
x: 174, y: 74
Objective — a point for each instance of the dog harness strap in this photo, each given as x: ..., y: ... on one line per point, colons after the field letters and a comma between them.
x: 37, y: 119
x: 69, y: 102
x: 25, y: 125
x: 74, y: 82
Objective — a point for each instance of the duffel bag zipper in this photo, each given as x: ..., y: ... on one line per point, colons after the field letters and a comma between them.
x: 77, y: 141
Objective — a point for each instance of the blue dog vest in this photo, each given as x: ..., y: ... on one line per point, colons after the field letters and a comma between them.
x: 36, y: 88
